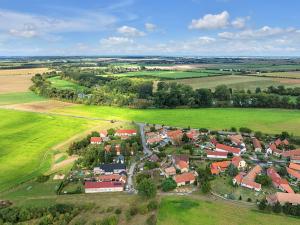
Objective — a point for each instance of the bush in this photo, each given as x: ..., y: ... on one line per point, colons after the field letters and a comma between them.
x: 133, y: 210
x: 168, y: 185
x: 112, y: 220
x: 152, y: 205
x: 118, y: 211
x: 245, y: 130
x: 147, y: 188
x: 143, y: 209
x: 249, y: 200
x: 151, y: 220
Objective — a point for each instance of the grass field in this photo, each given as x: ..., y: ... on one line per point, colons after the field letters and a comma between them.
x: 25, y: 141
x: 31, y: 71
x: 265, y: 120
x: 21, y: 97
x: 173, y: 74
x: 64, y: 84
x: 295, y: 74
x: 185, y: 210
x: 239, y: 82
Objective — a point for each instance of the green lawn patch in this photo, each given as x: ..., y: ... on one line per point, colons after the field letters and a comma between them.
x: 26, y: 139
x: 185, y: 210
x: 20, y: 97
x: 266, y: 120
x: 65, y: 84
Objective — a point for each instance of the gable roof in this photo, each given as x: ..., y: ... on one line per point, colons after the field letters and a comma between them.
x: 228, y: 148
x: 103, y: 132
x: 112, y: 166
x: 126, y: 132
x: 185, y: 177
x: 295, y: 152
x: 173, y: 134
x: 236, y: 160
x: 212, y: 153
x: 182, y: 164
x: 178, y: 158
x: 256, y: 143
x: 277, y: 142
x: 108, y: 184
x: 170, y: 169
x: 286, y: 197
x: 293, y: 173
x: 294, y: 166
x: 96, y: 139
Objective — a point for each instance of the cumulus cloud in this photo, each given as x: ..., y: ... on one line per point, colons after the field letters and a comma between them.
x: 28, y: 31
x: 150, y: 27
x: 239, y: 22
x: 110, y: 41
x: 211, y: 21
x: 130, y: 31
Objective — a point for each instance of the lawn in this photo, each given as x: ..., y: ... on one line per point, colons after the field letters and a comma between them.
x: 64, y: 84
x: 239, y: 82
x: 25, y: 141
x: 266, y: 120
x: 185, y: 210
x: 173, y: 74
x: 22, y: 97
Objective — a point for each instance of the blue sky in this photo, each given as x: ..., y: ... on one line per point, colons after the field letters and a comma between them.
x: 150, y: 27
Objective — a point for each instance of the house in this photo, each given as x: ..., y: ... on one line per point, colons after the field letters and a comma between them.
x: 272, y: 147
x: 225, y: 148
x: 238, y: 178
x: 124, y: 134
x: 293, y: 173
x: 103, y: 133
x: 154, y: 140
x: 96, y: 140
x: 216, y: 155
x: 175, y: 136
x: 177, y: 158
x: 279, y: 182
x: 283, y: 198
x: 118, y: 149
x: 110, y: 186
x: 277, y: 152
x: 184, y: 179
x: 183, y: 166
x: 248, y: 181
x: 236, y: 139
x: 277, y: 142
x: 170, y: 171
x: 238, y: 162
x: 193, y: 134
x: 285, y: 142
x: 112, y: 168
x: 295, y: 159
x: 218, y: 167
x: 256, y: 144
x: 111, y: 177
x: 153, y: 158
x: 294, y: 166
x: 291, y: 153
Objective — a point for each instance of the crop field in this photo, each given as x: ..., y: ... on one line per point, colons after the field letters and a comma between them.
x: 258, y: 66
x: 185, y: 210
x: 25, y: 140
x: 64, y: 84
x: 266, y: 120
x: 21, y: 97
x: 239, y: 82
x: 31, y: 71
x: 295, y: 74
x: 173, y: 74
x: 16, y: 83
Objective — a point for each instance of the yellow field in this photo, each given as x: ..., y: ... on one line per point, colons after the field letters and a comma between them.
x: 31, y: 71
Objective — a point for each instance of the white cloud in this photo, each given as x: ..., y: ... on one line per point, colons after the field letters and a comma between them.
x: 150, y: 27
x: 239, y: 22
x: 31, y: 25
x: 130, y: 31
x: 211, y: 21
x: 111, y: 41
x: 206, y: 40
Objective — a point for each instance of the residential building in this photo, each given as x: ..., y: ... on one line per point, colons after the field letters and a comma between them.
x: 96, y: 140
x: 248, y: 181
x: 279, y: 182
x: 184, y: 179
x: 124, y: 134
x: 239, y: 162
x: 225, y: 148
x: 111, y: 177
x: 291, y: 153
x: 256, y: 144
x: 112, y: 168
x: 295, y: 159
x: 216, y: 155
x: 283, y: 198
x: 293, y: 174
x: 170, y: 171
x: 219, y: 167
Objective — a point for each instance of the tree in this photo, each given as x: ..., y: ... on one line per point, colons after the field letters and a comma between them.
x: 168, y: 185
x: 185, y: 138
x: 263, y: 179
x: 147, y: 188
x: 262, y: 204
x: 205, y: 187
x: 203, y: 97
x: 245, y: 130
x: 276, y: 208
x: 222, y: 93
x: 232, y: 170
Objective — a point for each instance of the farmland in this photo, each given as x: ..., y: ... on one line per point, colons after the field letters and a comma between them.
x: 19, y: 97
x: 293, y: 74
x: 59, y: 83
x: 14, y: 83
x: 173, y: 74
x: 265, y: 120
x: 25, y: 141
x: 185, y: 210
x: 239, y: 82
x: 18, y: 72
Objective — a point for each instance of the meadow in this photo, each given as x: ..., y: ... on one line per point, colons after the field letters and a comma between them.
x: 239, y: 82
x: 19, y: 97
x: 26, y: 140
x: 270, y: 121
x: 173, y: 74
x: 185, y: 210
x: 59, y: 83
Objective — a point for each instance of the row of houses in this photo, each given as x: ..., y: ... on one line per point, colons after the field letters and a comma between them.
x: 219, y: 167
x: 123, y: 134
x: 248, y: 180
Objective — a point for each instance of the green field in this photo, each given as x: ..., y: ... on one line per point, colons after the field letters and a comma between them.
x: 25, y: 141
x: 266, y: 120
x: 185, y: 210
x: 239, y: 82
x: 64, y: 84
x: 295, y: 74
x: 15, y: 98
x: 173, y: 74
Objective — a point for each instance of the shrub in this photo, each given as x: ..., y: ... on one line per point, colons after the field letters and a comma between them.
x: 249, y: 200
x: 133, y: 210
x: 118, y: 211
x: 143, y: 209
x: 151, y: 220
x: 168, y: 185
x: 42, y: 178
x: 152, y: 205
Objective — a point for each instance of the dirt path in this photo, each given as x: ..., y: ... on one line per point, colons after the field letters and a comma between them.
x: 64, y: 163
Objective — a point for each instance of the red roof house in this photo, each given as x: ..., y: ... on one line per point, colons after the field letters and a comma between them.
x: 218, y: 167
x: 185, y: 178
x: 216, y: 155
x: 226, y: 148
x: 110, y: 186
x: 96, y: 140
x: 295, y: 152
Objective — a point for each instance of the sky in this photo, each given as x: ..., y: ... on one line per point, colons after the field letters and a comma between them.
x: 150, y: 27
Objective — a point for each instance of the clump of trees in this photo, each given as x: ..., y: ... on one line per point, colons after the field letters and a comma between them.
x: 287, y: 208
x: 168, y: 185
x: 147, y: 188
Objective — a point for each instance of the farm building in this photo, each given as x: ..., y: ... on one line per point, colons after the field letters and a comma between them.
x: 225, y: 148
x: 283, y: 198
x: 216, y: 155
x: 110, y: 186
x: 124, y: 134
x: 279, y: 182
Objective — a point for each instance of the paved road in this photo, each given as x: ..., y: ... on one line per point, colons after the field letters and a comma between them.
x: 130, y: 176
x: 146, y: 150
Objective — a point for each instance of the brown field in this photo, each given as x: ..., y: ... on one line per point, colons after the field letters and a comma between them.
x: 180, y: 67
x: 291, y: 74
x: 31, y: 71
x: 13, y: 83
x: 239, y: 82
x: 43, y: 106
